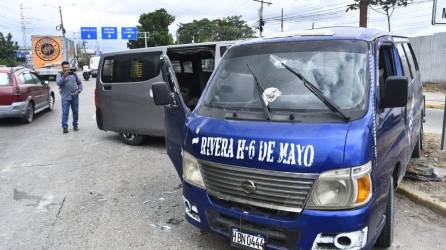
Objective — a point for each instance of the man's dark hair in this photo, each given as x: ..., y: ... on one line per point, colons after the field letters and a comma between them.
x: 65, y: 63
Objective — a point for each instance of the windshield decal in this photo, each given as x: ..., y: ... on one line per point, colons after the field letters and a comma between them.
x: 270, y: 95
x: 262, y: 151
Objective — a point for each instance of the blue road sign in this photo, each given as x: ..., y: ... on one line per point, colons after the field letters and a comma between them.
x: 89, y: 33
x: 129, y: 33
x: 109, y: 33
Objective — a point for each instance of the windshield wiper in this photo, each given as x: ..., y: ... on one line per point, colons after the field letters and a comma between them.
x: 325, y: 100
x: 260, y: 90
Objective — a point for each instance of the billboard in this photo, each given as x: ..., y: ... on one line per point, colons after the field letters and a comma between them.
x: 47, y: 50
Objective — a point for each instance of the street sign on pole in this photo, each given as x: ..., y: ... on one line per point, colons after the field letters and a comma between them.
x: 89, y: 33
x: 129, y: 33
x: 439, y: 12
x: 109, y: 33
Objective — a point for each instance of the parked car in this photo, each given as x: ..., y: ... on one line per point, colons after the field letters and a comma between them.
x: 23, y: 94
x: 124, y: 101
x: 298, y: 142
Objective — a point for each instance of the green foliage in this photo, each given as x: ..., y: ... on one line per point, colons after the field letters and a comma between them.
x: 205, y: 30
x: 8, y: 50
x: 157, y: 24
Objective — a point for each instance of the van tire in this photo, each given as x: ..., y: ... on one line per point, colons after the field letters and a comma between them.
x: 418, y: 150
x: 29, y: 115
x: 385, y: 238
x: 131, y: 139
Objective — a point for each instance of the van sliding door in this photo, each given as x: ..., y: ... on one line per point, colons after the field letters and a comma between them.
x: 125, y: 93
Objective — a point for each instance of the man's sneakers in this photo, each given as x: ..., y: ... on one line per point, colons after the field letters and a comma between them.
x: 65, y: 130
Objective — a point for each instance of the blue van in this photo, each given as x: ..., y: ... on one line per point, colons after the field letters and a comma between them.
x: 298, y: 142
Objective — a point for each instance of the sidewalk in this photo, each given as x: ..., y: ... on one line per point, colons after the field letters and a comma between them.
x: 434, y: 100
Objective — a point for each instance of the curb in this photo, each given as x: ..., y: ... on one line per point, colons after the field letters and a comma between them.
x: 422, y: 199
x: 434, y: 106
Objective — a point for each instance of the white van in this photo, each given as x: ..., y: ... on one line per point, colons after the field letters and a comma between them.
x: 94, y: 64
x: 124, y: 101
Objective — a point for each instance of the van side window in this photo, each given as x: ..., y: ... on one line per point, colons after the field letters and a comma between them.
x: 176, y: 66
x: 386, y: 64
x: 407, y: 70
x: 207, y: 64
x: 411, y: 57
x: 187, y: 67
x: 130, y: 67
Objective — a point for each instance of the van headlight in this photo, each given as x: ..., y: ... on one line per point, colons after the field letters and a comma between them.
x: 191, y: 170
x: 342, y: 188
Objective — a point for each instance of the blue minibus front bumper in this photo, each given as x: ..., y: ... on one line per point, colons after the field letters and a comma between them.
x: 309, y: 229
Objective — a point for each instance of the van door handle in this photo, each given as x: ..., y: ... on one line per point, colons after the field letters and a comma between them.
x: 107, y: 87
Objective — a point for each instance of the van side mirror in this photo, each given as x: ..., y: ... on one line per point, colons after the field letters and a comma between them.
x: 394, y: 92
x: 161, y: 94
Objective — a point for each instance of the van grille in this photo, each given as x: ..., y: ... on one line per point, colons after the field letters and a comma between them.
x: 284, y: 191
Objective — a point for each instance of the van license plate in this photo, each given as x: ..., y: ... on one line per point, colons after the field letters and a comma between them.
x: 247, y: 240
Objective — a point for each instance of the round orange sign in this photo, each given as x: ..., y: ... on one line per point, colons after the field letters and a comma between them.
x: 47, y: 49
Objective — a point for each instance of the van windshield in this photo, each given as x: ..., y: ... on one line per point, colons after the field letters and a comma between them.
x: 338, y: 68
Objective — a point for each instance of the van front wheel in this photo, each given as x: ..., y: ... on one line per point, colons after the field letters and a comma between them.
x: 386, y: 237
x: 131, y: 138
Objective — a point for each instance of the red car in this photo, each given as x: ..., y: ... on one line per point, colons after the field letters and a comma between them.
x: 23, y: 94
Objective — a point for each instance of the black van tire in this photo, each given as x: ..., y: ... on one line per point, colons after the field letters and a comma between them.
x: 385, y: 238
x: 131, y: 138
x: 29, y: 115
x: 418, y: 150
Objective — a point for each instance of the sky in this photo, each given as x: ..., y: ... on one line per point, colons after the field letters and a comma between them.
x: 42, y: 16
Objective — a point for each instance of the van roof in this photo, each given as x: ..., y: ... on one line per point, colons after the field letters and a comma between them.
x: 165, y: 47
x: 326, y: 33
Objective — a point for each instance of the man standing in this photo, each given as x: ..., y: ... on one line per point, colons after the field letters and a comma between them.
x: 70, y: 87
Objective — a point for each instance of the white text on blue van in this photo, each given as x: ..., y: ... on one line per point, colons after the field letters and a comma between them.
x: 263, y: 151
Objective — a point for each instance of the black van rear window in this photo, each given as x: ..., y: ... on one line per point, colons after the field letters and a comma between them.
x: 135, y: 67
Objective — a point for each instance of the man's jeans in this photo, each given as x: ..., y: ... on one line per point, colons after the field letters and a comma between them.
x: 74, y: 103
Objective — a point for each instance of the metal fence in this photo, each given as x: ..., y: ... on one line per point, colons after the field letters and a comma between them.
x: 431, y: 54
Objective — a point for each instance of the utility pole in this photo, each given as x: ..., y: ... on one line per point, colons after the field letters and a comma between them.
x: 62, y: 28
x: 22, y: 22
x: 145, y: 36
x: 261, y: 22
x: 363, y: 9
x: 281, y: 22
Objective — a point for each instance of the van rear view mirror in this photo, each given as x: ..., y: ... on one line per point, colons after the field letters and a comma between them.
x: 161, y: 94
x: 394, y: 92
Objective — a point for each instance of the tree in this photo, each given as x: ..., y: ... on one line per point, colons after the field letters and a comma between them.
x: 8, y: 50
x: 205, y: 30
x: 387, y: 6
x: 156, y: 23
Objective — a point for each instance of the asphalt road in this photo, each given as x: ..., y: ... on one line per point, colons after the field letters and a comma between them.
x: 87, y: 190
